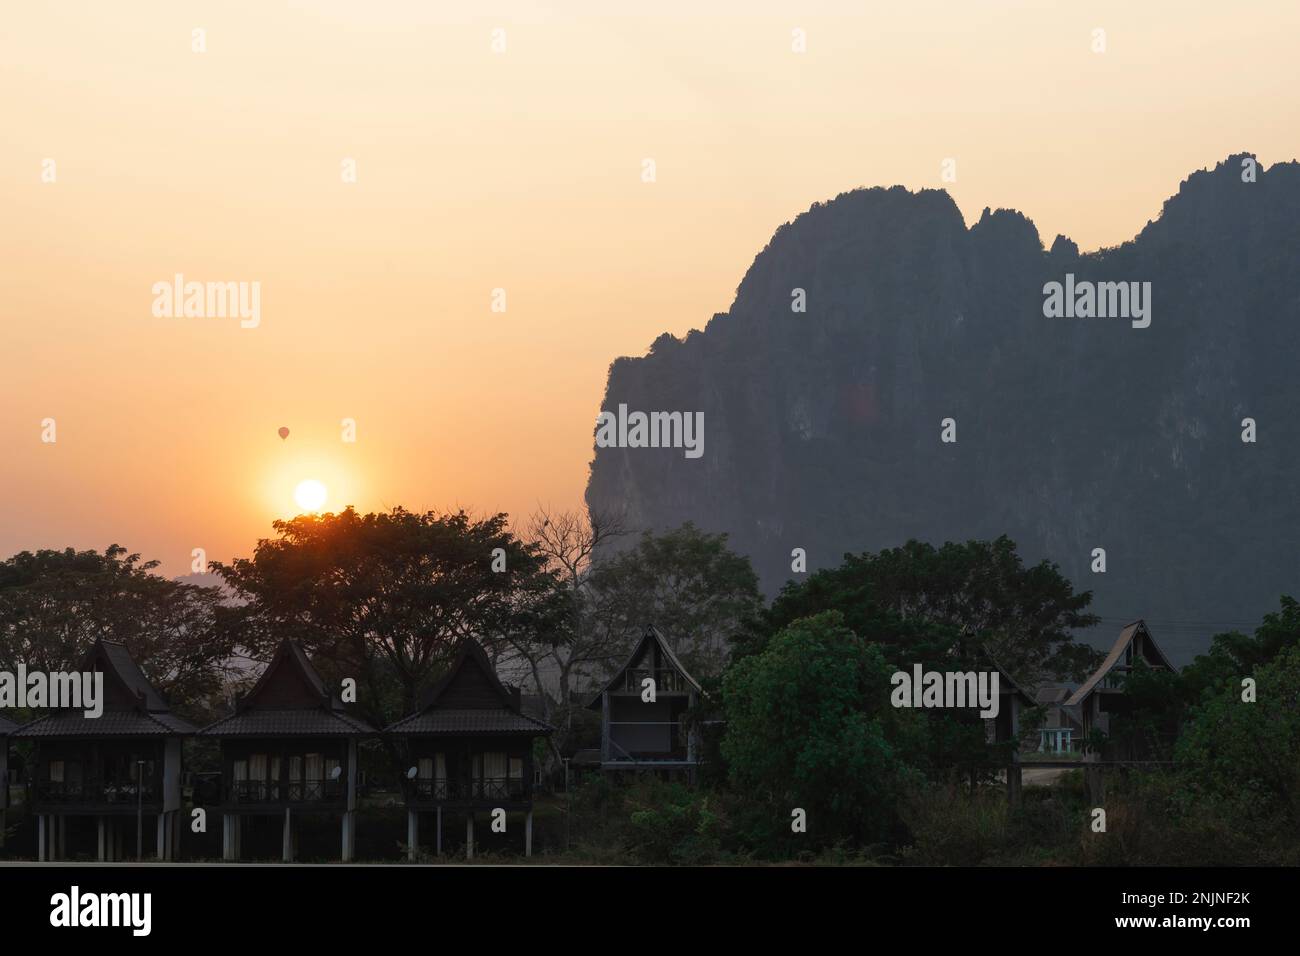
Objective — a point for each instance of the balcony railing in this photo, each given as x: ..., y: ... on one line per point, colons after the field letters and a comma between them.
x: 295, y: 791
x: 95, y: 792
x: 490, y: 788
x: 667, y: 680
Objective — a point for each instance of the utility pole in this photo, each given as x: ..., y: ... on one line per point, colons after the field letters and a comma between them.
x: 568, y: 804
x: 139, y: 811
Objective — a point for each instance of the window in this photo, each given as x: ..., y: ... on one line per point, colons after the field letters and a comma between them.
x: 56, y: 771
x: 241, y: 771
x: 426, y: 768
x: 315, y: 767
x: 494, y: 773
x: 257, y: 767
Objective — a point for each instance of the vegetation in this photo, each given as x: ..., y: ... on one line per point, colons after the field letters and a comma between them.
x: 811, y: 762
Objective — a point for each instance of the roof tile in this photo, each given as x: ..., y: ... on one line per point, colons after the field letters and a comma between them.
x: 288, y: 723
x: 112, y: 723
x: 494, y: 720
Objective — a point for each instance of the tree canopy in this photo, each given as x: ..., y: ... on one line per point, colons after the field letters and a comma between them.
x: 976, y: 597
x: 55, y: 604
x: 384, y: 598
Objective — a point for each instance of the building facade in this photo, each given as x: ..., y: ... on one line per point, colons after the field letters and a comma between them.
x: 289, y: 748
x: 471, y: 750
x: 123, y: 768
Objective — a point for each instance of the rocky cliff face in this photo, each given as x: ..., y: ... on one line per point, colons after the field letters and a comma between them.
x: 823, y: 428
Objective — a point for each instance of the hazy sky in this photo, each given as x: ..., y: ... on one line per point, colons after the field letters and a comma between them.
x: 519, y: 170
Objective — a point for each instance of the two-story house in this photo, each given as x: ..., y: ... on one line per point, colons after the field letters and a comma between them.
x: 471, y: 750
x: 122, y: 768
x: 290, y: 748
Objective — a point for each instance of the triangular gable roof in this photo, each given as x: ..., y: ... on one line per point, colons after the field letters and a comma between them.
x: 117, y: 663
x: 1116, y: 654
x: 1007, y: 684
x: 314, y: 712
x: 469, y: 654
x: 652, y: 633
x: 147, y: 715
x: 458, y: 705
x: 289, y: 659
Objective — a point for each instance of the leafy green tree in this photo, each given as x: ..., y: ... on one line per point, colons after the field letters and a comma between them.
x: 810, y: 726
x: 1245, y: 756
x: 1234, y: 655
x: 688, y: 583
x: 55, y: 604
x: 979, y: 595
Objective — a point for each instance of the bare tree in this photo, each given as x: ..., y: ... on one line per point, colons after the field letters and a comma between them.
x: 568, y: 540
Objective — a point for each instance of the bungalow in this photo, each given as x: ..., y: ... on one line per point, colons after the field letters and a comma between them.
x: 122, y: 764
x: 641, y: 710
x: 289, y: 748
x: 471, y: 747
x: 1101, y: 699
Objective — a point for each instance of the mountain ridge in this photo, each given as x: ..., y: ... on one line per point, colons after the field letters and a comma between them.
x: 823, y: 428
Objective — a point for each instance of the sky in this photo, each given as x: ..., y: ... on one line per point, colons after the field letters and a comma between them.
x: 502, y: 149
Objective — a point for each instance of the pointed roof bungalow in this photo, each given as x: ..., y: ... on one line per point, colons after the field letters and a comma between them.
x: 1013, y: 701
x: 471, y: 746
x: 289, y: 747
x: 1102, y: 695
x: 641, y: 710
x: 125, y: 762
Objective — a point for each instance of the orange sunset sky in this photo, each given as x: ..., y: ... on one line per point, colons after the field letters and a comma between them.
x: 518, y: 170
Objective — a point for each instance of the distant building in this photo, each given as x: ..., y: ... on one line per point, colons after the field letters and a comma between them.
x: 289, y: 748
x: 124, y: 764
x: 1061, y: 732
x: 640, y: 733
x: 1101, y: 701
x: 472, y: 749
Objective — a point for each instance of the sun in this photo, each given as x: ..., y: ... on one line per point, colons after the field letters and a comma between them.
x: 310, y: 495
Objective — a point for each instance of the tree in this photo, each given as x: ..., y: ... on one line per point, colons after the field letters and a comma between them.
x: 575, y: 646
x: 980, y: 591
x: 1243, y: 755
x: 55, y: 604
x: 384, y: 598
x: 688, y: 583
x: 810, y: 726
x: 1234, y: 655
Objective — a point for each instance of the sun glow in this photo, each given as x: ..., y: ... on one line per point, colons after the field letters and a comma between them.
x: 310, y: 495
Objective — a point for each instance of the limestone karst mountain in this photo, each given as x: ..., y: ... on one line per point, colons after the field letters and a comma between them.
x: 822, y: 428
